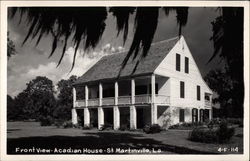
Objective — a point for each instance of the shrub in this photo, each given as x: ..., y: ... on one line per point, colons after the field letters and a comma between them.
x: 58, y: 123
x: 237, y: 121
x: 67, y: 124
x: 105, y: 127
x: 123, y: 128
x: 202, y: 134
x: 46, y: 121
x: 86, y: 127
x: 222, y: 134
x: 186, y: 125
x: 155, y: 128
x: 146, y: 129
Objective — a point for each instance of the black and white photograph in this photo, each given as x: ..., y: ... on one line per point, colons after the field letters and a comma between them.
x: 125, y: 80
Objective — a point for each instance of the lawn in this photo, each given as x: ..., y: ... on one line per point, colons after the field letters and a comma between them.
x: 31, y: 138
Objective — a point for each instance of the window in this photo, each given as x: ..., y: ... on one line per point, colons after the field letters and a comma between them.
x: 198, y: 93
x: 178, y: 62
x: 182, y: 115
x: 186, y: 65
x: 182, y: 89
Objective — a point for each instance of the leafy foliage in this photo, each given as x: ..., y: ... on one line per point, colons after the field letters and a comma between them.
x: 11, y: 50
x: 155, y: 128
x: 13, y: 111
x: 229, y: 93
x: 65, y: 99
x: 228, y: 44
x: 37, y: 100
x: 87, y: 24
x: 212, y: 135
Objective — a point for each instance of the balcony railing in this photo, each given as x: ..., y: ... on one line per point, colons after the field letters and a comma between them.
x: 80, y: 103
x: 208, y: 103
x: 122, y: 100
x: 108, y: 101
x: 145, y: 98
x: 93, y: 102
x: 126, y: 100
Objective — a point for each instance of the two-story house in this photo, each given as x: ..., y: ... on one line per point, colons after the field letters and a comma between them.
x: 163, y: 88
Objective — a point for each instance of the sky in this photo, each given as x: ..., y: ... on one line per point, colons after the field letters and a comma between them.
x: 31, y: 61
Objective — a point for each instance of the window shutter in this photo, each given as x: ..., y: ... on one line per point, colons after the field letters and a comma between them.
x: 182, y: 89
x: 178, y: 62
x: 198, y: 93
x: 186, y: 65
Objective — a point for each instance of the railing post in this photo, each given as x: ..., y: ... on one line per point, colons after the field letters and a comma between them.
x: 86, y: 95
x: 100, y: 94
x: 132, y: 91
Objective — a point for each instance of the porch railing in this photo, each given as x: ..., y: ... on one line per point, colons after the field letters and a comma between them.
x: 80, y: 103
x: 124, y: 100
x: 208, y: 103
x: 144, y: 98
x: 93, y: 102
x: 108, y: 101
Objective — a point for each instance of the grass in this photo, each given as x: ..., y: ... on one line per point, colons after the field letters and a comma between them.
x: 31, y: 134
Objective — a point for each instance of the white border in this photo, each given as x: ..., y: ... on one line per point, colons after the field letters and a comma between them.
x: 3, y: 80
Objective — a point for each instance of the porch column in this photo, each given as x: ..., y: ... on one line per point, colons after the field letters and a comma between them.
x: 211, y: 113
x: 116, y: 93
x: 74, y: 97
x: 153, y: 106
x: 86, y: 95
x: 86, y: 117
x: 100, y: 117
x: 116, y: 112
x: 74, y: 116
x: 198, y: 114
x: 132, y: 107
x: 132, y: 91
x: 100, y: 94
x: 132, y: 117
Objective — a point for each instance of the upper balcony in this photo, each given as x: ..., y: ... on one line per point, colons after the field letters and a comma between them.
x: 124, y: 100
x: 141, y: 90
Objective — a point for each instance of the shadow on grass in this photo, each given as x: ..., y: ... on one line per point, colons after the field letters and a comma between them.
x: 98, y: 140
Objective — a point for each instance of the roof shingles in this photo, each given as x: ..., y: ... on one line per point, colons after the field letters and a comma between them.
x: 110, y: 67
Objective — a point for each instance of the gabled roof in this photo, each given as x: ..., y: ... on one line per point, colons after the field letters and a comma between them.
x: 110, y: 67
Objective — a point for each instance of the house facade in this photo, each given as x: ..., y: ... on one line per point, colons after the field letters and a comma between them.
x: 164, y: 88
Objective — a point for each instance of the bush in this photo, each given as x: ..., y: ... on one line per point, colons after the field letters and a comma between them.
x: 123, y: 127
x: 67, y: 124
x: 46, y: 121
x: 155, y: 128
x: 58, y: 123
x: 202, y: 134
x: 237, y: 121
x: 86, y: 127
x: 187, y: 125
x: 222, y: 134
